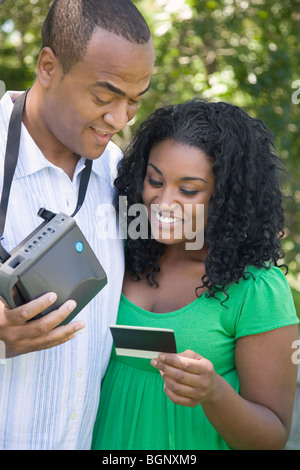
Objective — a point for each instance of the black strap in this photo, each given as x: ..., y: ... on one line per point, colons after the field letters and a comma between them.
x: 84, y: 180
x: 11, y: 155
x: 10, y: 163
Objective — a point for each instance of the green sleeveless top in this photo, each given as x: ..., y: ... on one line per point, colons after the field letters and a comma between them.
x: 134, y: 412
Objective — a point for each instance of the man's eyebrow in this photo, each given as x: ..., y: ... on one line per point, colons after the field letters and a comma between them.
x: 184, y: 178
x: 115, y: 90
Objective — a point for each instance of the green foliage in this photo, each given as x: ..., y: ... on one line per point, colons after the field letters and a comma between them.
x: 20, y: 40
x: 242, y: 51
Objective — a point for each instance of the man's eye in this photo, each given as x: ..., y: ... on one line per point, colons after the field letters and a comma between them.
x: 133, y: 102
x: 100, y: 102
x: 155, y: 183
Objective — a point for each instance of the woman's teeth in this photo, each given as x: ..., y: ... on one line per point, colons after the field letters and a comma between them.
x: 165, y: 220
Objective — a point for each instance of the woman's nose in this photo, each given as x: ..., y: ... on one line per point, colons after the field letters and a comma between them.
x: 167, y: 206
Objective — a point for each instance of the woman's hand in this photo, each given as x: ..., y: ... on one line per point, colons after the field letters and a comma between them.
x: 189, y: 378
x: 258, y: 415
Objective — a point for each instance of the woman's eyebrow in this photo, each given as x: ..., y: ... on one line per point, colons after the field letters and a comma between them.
x: 184, y: 178
x: 155, y: 168
x: 192, y: 178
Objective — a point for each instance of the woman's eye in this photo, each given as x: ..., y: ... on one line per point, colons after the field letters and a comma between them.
x: 155, y: 183
x: 190, y: 192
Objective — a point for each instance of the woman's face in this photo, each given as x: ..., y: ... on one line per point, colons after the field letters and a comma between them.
x: 178, y: 185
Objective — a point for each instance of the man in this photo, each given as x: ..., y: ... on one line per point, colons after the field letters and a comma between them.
x: 94, y: 67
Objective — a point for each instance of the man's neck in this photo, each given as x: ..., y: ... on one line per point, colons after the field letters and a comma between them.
x: 60, y: 156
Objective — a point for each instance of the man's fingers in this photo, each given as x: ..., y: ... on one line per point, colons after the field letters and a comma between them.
x: 4, y: 302
x: 43, y: 333
x: 22, y: 336
x: 53, y: 338
x: 22, y: 314
x: 55, y: 318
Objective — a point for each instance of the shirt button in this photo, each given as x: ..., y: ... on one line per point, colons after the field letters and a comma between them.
x: 79, y: 373
x: 73, y: 415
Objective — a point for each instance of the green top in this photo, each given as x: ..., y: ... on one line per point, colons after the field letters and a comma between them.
x: 134, y: 412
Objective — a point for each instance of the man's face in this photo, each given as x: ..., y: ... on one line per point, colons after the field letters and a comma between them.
x: 99, y: 95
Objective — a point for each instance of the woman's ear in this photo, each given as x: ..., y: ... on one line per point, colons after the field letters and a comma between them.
x: 47, y: 67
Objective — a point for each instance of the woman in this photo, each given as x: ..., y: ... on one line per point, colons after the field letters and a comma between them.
x: 232, y: 383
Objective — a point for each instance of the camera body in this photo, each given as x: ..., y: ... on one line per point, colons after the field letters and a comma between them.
x: 55, y: 257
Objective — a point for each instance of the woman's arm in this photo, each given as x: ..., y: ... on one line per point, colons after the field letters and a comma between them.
x: 260, y: 416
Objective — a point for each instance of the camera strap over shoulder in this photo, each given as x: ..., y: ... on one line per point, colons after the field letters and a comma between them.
x: 10, y: 163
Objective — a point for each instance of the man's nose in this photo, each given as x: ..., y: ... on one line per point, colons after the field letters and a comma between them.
x: 117, y: 117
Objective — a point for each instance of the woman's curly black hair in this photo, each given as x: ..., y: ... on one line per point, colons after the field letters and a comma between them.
x: 245, y: 215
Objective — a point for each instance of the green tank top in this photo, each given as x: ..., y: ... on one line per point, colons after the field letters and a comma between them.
x: 134, y: 412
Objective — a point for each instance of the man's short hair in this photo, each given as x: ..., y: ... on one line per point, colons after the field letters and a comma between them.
x: 69, y: 26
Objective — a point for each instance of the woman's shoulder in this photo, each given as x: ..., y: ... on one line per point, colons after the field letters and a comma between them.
x: 267, y: 303
x: 269, y: 275
x: 263, y: 285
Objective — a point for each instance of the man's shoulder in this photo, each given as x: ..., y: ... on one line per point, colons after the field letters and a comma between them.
x: 7, y: 100
x: 6, y: 106
x: 113, y: 151
x: 106, y: 165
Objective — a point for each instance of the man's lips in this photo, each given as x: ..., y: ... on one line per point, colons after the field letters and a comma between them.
x: 102, y: 137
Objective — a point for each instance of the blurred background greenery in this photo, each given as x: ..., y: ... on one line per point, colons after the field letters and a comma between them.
x: 241, y: 51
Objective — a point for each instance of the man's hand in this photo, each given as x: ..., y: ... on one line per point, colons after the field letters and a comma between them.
x: 21, y: 337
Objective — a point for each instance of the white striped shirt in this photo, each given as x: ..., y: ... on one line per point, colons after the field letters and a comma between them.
x: 49, y: 398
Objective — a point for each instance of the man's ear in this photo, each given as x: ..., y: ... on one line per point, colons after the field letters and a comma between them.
x: 47, y: 67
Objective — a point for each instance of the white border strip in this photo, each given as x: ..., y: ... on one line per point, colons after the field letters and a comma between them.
x: 137, y: 353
